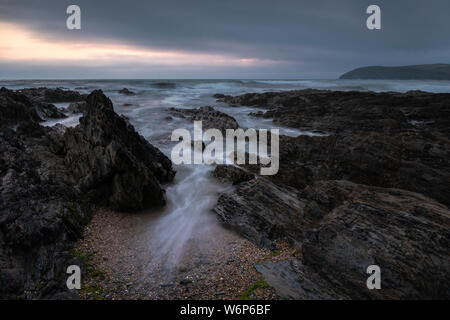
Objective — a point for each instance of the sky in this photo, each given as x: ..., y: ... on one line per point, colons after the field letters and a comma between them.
x: 227, y: 39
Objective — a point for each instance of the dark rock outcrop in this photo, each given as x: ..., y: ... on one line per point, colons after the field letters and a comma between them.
x: 262, y: 212
x: 210, y: 117
x: 77, y: 107
x: 352, y: 111
x: 293, y: 281
x: 404, y: 233
x: 48, y: 177
x: 126, y: 91
x: 233, y: 174
x: 342, y: 228
x: 413, y: 161
x: 348, y: 200
x: 16, y: 107
x: 110, y: 161
x: 52, y: 95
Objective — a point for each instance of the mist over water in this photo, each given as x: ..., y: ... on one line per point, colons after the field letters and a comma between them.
x: 190, y: 198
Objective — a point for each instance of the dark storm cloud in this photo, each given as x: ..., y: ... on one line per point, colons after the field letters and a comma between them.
x: 310, y: 39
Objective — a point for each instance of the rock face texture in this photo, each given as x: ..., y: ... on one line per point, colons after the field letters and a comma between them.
x: 211, y: 118
x: 232, y: 174
x: 111, y: 162
x: 413, y: 161
x: 16, y: 107
x: 52, y: 95
x: 47, y: 179
x: 405, y: 233
x: 262, y: 212
x: 372, y: 192
x: 352, y: 111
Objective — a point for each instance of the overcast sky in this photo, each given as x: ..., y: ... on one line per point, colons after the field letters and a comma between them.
x: 217, y: 39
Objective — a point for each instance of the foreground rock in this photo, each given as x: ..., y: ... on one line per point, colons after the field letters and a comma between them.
x: 262, y: 212
x: 111, y: 162
x: 342, y: 228
x: 372, y: 192
x: 404, y: 233
x: 233, y: 174
x: 211, y: 118
x: 48, y: 177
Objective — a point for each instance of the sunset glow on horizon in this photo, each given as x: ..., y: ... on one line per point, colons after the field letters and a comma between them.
x: 19, y: 44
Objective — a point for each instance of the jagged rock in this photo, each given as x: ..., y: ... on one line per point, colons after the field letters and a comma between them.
x: 211, y: 118
x: 352, y: 111
x: 126, y: 91
x: 293, y: 281
x: 406, y: 234
x: 415, y: 161
x: 219, y: 96
x: 15, y: 107
x: 43, y: 208
x: 342, y: 228
x: 263, y: 212
x: 39, y: 214
x: 52, y: 95
x: 233, y: 174
x: 111, y: 162
x: 77, y: 107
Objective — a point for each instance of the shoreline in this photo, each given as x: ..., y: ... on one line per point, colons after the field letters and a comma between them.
x: 226, y: 271
x: 343, y: 201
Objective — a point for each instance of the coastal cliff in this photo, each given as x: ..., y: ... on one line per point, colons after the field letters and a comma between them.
x: 415, y: 72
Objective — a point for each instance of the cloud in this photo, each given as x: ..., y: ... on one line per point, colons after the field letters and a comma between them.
x: 284, y: 39
x: 20, y: 44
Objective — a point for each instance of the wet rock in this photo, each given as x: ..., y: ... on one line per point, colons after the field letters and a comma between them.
x: 233, y: 174
x: 263, y: 212
x: 52, y: 95
x: 342, y: 228
x: 126, y: 91
x: 211, y: 118
x: 413, y: 161
x: 406, y: 234
x: 16, y: 107
x: 77, y: 107
x: 47, y: 177
x: 351, y: 111
x: 293, y: 281
x: 111, y: 162
x: 219, y: 96
x: 39, y: 214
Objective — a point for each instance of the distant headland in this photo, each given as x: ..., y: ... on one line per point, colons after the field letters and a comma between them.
x: 415, y: 72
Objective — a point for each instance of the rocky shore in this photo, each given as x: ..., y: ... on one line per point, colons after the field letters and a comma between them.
x: 371, y: 189
x: 54, y: 178
x: 374, y: 191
